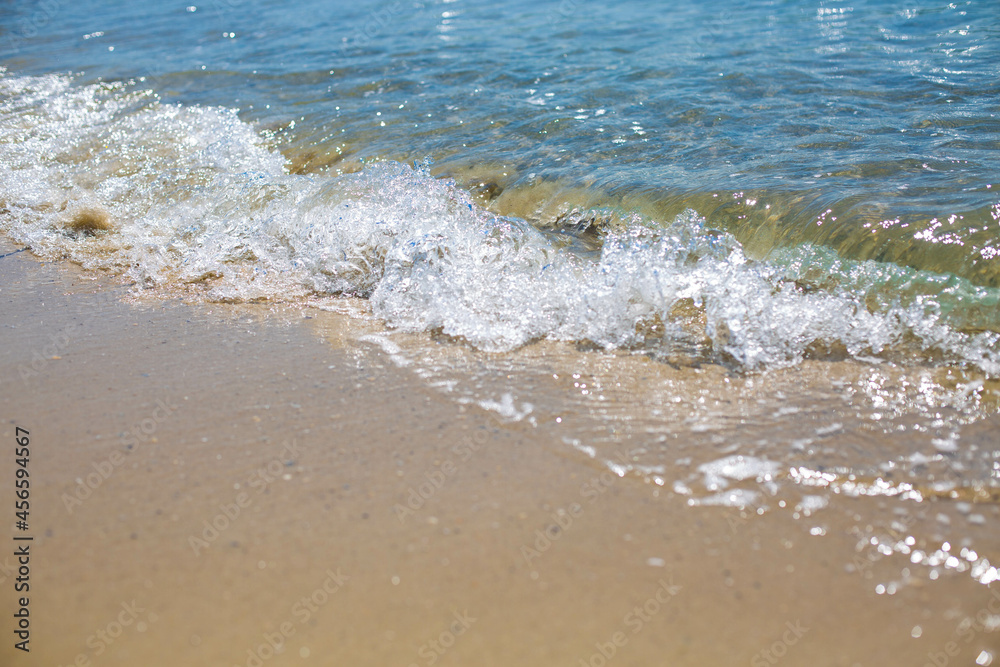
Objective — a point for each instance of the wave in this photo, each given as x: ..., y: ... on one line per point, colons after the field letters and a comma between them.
x: 191, y: 197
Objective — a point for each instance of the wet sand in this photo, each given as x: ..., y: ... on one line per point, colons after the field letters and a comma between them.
x: 304, y: 448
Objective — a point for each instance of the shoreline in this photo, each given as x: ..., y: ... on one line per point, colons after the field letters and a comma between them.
x: 306, y: 445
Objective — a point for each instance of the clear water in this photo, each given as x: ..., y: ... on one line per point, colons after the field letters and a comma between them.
x: 748, y: 184
x: 885, y: 113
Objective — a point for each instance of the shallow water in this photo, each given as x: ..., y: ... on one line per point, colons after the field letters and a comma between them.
x: 194, y: 196
x: 803, y: 441
x: 870, y: 127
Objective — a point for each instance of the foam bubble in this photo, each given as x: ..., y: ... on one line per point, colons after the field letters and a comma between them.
x: 193, y: 197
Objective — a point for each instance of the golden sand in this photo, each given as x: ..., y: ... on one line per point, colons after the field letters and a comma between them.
x: 221, y: 485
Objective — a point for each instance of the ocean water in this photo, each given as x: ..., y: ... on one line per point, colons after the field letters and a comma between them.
x: 749, y: 184
x: 739, y: 191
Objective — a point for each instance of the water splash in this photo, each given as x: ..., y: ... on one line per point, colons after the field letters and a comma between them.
x: 192, y: 197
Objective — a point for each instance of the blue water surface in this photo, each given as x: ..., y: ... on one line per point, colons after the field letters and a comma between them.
x: 848, y: 118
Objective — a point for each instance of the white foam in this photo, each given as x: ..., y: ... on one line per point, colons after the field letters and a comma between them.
x: 507, y: 408
x: 390, y: 348
x: 718, y: 473
x: 197, y: 196
x: 739, y: 498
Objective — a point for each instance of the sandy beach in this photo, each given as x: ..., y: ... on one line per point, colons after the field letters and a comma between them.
x: 248, y: 485
x: 566, y: 334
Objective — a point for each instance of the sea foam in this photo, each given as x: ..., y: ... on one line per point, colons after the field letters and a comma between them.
x: 193, y: 196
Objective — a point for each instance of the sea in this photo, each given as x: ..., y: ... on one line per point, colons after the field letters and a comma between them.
x: 741, y: 249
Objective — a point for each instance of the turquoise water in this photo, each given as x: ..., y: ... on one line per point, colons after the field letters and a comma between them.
x: 752, y: 183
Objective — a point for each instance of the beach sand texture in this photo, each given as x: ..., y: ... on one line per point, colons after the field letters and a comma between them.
x: 304, y: 445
